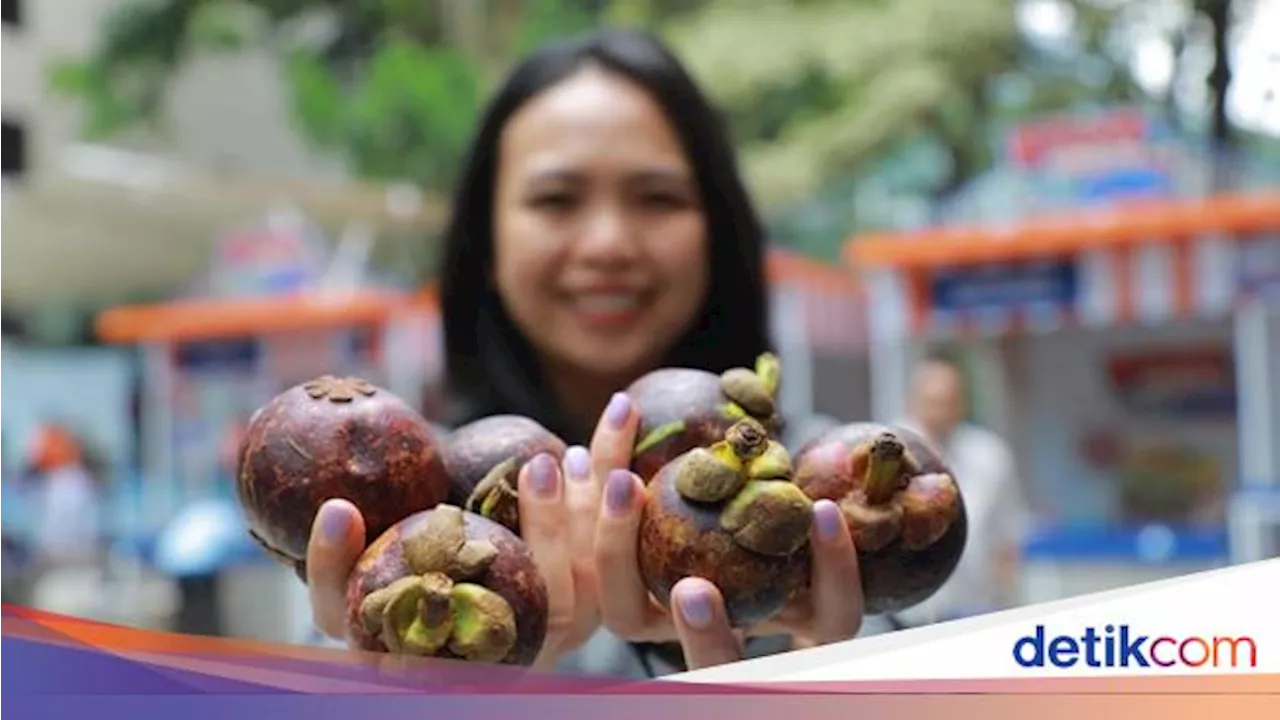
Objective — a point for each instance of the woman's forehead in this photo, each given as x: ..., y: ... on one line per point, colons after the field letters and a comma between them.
x: 591, y: 115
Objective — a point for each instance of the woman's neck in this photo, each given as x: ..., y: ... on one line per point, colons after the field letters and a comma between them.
x: 584, y: 396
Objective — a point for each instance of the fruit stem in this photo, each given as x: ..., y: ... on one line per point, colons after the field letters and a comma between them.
x: 886, y: 469
x: 413, y: 615
x: 769, y: 368
x: 495, y: 498
x: 424, y: 614
x: 746, y: 439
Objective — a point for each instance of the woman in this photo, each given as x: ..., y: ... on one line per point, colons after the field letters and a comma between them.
x: 600, y: 231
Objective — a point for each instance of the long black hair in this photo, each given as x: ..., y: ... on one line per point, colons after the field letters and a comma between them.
x: 490, y: 366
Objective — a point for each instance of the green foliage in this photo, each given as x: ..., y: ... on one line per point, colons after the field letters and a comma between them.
x: 407, y: 117
x: 846, y: 111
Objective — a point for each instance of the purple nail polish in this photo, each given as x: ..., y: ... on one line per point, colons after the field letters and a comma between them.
x: 618, y: 491
x: 333, y: 523
x: 826, y: 516
x: 542, y: 475
x: 577, y: 463
x: 618, y: 410
x: 695, y: 607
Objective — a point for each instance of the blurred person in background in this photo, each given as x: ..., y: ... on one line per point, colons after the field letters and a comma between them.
x: 600, y: 230
x: 63, y: 484
x: 986, y: 578
x: 65, y: 487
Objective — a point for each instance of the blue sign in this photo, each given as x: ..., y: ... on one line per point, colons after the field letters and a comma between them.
x: 1006, y: 286
x: 1259, y: 268
x: 234, y: 355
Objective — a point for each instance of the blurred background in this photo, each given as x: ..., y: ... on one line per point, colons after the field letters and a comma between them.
x: 206, y: 201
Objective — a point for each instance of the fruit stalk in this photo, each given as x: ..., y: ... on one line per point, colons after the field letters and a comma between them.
x: 444, y: 601
x: 495, y: 495
x: 887, y: 471
x: 763, y: 511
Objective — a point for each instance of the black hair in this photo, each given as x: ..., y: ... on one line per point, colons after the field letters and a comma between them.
x: 490, y: 366
x: 942, y: 355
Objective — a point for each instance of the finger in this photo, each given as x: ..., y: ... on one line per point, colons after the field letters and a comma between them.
x: 614, y: 438
x: 625, y: 606
x: 544, y: 522
x: 582, y: 502
x: 337, y: 539
x: 582, y: 499
x: 837, y: 586
x: 703, y: 625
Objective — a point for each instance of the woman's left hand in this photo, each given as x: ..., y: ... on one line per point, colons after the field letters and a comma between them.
x: 831, y: 611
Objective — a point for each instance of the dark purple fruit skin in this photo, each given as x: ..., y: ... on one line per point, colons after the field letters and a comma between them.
x: 513, y: 575
x: 893, y: 578
x: 472, y: 450
x: 670, y: 394
x: 298, y: 452
x: 755, y: 587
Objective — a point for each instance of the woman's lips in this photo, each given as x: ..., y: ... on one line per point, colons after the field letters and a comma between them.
x: 610, y: 310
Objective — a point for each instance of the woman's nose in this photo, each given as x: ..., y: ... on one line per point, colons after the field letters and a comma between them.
x: 607, y: 236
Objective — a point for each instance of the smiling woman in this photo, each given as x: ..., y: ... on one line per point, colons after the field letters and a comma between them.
x: 600, y: 245
x: 595, y: 238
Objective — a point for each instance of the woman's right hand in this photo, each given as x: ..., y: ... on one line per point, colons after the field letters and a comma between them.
x: 831, y: 611
x: 557, y: 522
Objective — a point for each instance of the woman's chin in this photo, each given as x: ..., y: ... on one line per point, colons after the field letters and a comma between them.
x: 620, y: 360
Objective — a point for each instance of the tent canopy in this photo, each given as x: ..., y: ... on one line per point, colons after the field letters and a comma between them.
x: 1147, y: 261
x: 832, y: 309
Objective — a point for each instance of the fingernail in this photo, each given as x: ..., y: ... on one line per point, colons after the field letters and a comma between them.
x: 333, y: 523
x: 826, y: 515
x: 618, y: 491
x: 695, y: 607
x: 577, y: 462
x: 618, y: 410
x: 542, y: 475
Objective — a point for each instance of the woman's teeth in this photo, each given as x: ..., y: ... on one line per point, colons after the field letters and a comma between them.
x: 608, y: 302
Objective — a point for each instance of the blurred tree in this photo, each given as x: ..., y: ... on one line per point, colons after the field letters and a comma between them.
x: 820, y: 88
x: 851, y: 114
x: 391, y: 86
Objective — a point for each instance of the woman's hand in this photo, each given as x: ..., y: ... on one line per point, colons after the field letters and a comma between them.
x: 557, y: 522
x: 830, y: 612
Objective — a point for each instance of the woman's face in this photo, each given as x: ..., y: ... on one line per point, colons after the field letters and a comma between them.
x: 600, y: 238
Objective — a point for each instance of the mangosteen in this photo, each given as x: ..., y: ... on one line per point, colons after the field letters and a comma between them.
x: 450, y: 584
x: 484, y: 458
x: 331, y: 438
x: 684, y: 408
x: 902, y: 503
x: 730, y: 514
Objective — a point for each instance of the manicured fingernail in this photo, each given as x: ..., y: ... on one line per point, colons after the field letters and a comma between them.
x: 618, y: 491
x: 333, y: 523
x: 542, y: 475
x: 618, y: 410
x: 577, y: 462
x: 695, y: 606
x: 826, y: 515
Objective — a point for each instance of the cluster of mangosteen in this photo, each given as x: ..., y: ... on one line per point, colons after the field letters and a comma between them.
x: 445, y: 573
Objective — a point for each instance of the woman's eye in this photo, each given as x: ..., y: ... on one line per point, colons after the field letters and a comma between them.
x: 663, y: 201
x: 553, y: 201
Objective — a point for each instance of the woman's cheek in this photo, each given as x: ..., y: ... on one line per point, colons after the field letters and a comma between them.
x: 526, y: 279
x: 684, y: 266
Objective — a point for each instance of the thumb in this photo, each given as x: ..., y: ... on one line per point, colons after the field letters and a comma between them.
x: 337, y: 539
x: 703, y: 625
